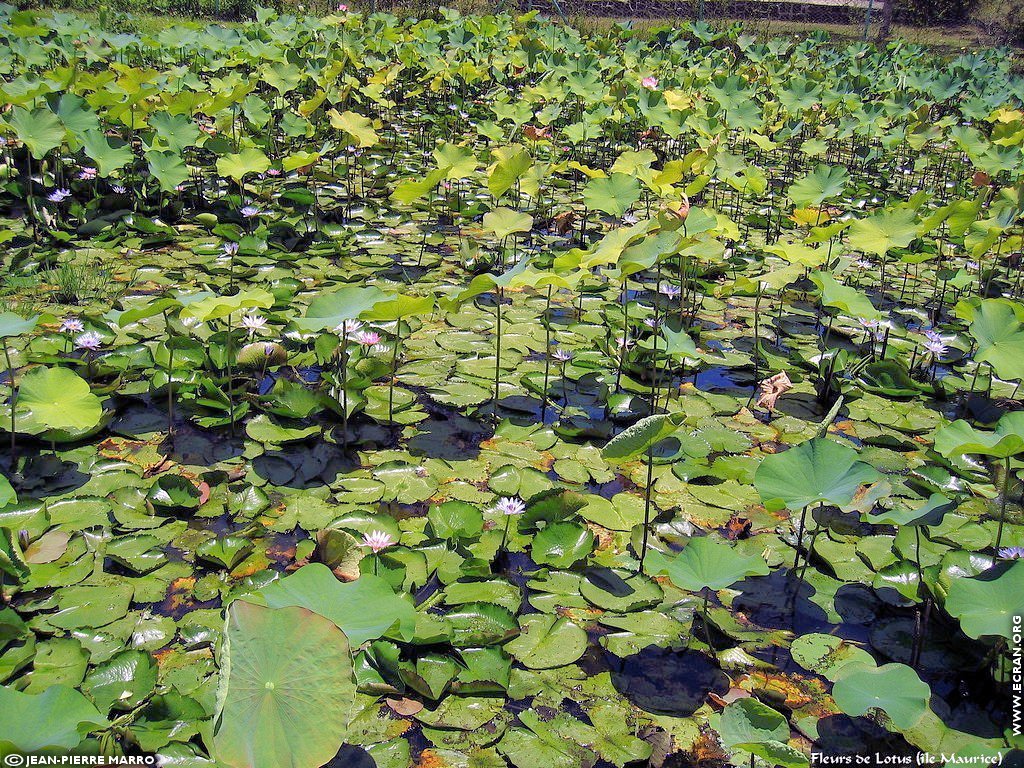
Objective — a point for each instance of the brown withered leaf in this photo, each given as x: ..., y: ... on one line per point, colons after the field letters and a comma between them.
x: 772, y: 388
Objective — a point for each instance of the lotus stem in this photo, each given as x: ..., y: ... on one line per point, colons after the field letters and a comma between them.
x: 707, y: 625
x: 647, y: 508
x: 343, y: 378
x: 394, y: 371
x: 497, y: 352
x: 231, y: 397
x: 800, y: 537
x: 547, y: 356
x: 1002, y: 502
x: 10, y: 381
x: 170, y: 390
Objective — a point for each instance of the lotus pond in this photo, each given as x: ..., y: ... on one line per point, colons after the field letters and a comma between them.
x: 470, y: 392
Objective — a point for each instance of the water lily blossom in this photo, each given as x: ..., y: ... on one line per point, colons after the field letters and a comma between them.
x: 650, y: 82
x: 562, y: 355
x: 378, y: 541
x: 89, y: 340
x: 367, y: 338
x: 1011, y: 553
x: 510, y: 505
x: 59, y: 195
x: 254, y: 324
x: 72, y: 325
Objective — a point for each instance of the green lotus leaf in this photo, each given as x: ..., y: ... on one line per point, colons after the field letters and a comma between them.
x: 330, y: 310
x: 214, y: 307
x: 168, y: 168
x: 12, y: 559
x: 40, y: 130
x: 238, y: 165
x: 455, y: 520
x: 399, y: 306
x: 999, y: 332
x: 843, y: 298
x: 930, y: 513
x: 819, y: 185
x: 477, y: 624
x: 287, y: 689
x: 109, y: 157
x: 960, y: 438
x: 613, y: 195
x: 705, y: 564
x: 57, y: 399
x: 355, y: 125
x: 15, y: 325
x: 881, y: 232
x: 986, y: 603
x: 365, y: 609
x: 225, y: 551
x: 58, y: 717
x: 504, y: 222
x: 818, y: 470
x: 263, y: 430
x: 893, y: 688
x: 826, y: 655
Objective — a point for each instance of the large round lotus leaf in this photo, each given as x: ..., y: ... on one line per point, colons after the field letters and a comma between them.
x: 819, y: 470
x: 961, y: 438
x: 893, y: 688
x: 57, y: 717
x: 330, y: 310
x: 56, y: 398
x: 398, y: 306
x: 287, y: 689
x: 705, y: 563
x: 364, y: 609
x: 214, y: 307
x: 545, y: 642
x: 986, y: 603
x: 819, y: 185
x: 15, y: 325
x: 561, y: 545
x: 1000, y: 336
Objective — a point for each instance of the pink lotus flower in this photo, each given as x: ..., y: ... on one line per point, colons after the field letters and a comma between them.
x: 367, y: 338
x: 649, y: 82
x: 377, y: 541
